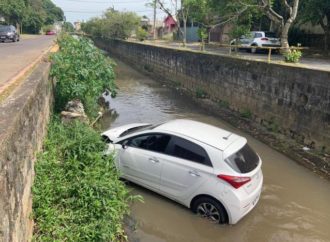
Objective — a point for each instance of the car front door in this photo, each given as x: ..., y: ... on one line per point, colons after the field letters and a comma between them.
x: 141, y: 159
x: 187, y: 170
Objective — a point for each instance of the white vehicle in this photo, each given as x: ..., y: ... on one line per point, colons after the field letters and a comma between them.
x: 258, y: 38
x: 212, y: 171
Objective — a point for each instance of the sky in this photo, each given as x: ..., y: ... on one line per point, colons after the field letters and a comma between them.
x: 82, y: 10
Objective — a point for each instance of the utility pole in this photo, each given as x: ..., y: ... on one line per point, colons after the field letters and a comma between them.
x: 155, y: 12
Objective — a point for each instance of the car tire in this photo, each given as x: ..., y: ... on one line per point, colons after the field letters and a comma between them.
x: 253, y: 50
x: 14, y: 39
x: 211, y: 209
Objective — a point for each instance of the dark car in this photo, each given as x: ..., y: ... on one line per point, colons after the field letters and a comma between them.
x: 8, y: 32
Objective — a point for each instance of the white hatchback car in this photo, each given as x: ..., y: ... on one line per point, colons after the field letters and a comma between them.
x: 257, y: 38
x: 212, y: 171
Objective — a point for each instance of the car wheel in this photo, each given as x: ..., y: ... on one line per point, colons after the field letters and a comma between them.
x: 253, y: 50
x: 14, y: 39
x: 211, y: 209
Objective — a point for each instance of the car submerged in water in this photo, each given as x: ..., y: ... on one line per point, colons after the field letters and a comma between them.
x: 212, y: 171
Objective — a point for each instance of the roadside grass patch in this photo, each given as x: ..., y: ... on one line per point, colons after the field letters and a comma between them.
x: 77, y: 194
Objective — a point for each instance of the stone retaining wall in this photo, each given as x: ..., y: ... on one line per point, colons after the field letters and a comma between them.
x: 23, y: 119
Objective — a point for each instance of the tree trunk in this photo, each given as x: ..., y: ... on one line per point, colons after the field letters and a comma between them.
x: 184, y: 37
x: 285, y: 35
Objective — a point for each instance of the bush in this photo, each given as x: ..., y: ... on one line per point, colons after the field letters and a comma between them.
x: 77, y: 195
x: 81, y: 72
x: 292, y: 56
x: 141, y: 34
x: 200, y: 93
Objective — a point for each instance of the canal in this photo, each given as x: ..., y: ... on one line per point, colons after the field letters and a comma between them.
x: 295, y: 203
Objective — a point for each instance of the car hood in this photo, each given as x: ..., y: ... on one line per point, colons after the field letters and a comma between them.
x: 115, y: 133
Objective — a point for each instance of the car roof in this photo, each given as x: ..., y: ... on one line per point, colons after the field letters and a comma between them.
x: 205, y: 133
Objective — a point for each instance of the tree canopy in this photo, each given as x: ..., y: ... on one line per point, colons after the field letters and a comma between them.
x: 31, y: 14
x: 113, y: 24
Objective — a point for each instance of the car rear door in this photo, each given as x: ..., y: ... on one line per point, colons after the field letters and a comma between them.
x: 141, y: 159
x: 188, y: 168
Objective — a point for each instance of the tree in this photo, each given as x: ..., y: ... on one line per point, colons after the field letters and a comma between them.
x: 32, y: 14
x: 317, y: 12
x: 283, y: 19
x: 68, y: 27
x: 113, y: 24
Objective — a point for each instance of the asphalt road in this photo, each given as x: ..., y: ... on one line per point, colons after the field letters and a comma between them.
x: 15, y: 56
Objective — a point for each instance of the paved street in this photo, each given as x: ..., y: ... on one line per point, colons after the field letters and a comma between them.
x: 307, y: 62
x: 15, y: 56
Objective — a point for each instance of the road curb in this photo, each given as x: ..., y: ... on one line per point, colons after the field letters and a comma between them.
x: 9, y: 86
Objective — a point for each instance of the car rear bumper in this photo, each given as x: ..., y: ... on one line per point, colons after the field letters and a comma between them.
x: 271, y: 45
x: 242, y: 203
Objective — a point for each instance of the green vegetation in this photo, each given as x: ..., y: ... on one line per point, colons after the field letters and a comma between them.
x: 68, y: 27
x: 113, y: 24
x: 292, y: 56
x: 246, y: 113
x: 82, y: 72
x: 141, y: 34
x: 31, y: 15
x: 77, y: 194
x: 200, y: 93
x: 223, y: 104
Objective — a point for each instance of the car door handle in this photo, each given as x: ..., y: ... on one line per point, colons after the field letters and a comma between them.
x: 154, y: 160
x: 194, y: 173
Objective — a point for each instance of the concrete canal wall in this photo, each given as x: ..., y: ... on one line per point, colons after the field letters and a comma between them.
x: 23, y: 119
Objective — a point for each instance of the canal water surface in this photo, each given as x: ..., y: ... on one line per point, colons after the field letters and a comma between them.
x: 295, y: 203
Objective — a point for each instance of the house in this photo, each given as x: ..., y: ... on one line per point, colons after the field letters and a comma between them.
x: 169, y: 24
x: 77, y: 26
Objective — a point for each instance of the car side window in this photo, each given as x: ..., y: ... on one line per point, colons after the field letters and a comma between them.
x: 188, y: 150
x: 257, y: 35
x: 152, y: 142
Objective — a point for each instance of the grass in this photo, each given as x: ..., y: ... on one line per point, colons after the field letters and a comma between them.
x: 77, y: 195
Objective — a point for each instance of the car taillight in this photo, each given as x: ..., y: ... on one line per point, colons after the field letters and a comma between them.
x: 235, y: 181
x: 266, y: 39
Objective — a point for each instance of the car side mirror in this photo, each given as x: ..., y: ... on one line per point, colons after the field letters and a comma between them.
x: 124, y: 144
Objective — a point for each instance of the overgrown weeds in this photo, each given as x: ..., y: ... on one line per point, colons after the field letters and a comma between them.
x: 77, y: 195
x: 81, y: 72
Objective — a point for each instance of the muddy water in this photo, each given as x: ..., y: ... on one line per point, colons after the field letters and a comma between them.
x: 295, y: 203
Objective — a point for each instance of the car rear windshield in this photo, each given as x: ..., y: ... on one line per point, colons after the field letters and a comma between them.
x: 270, y: 35
x: 4, y: 28
x: 245, y: 160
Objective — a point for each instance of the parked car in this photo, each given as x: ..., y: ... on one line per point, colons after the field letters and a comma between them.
x: 212, y: 171
x: 257, y: 38
x: 8, y: 32
x: 50, y: 32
